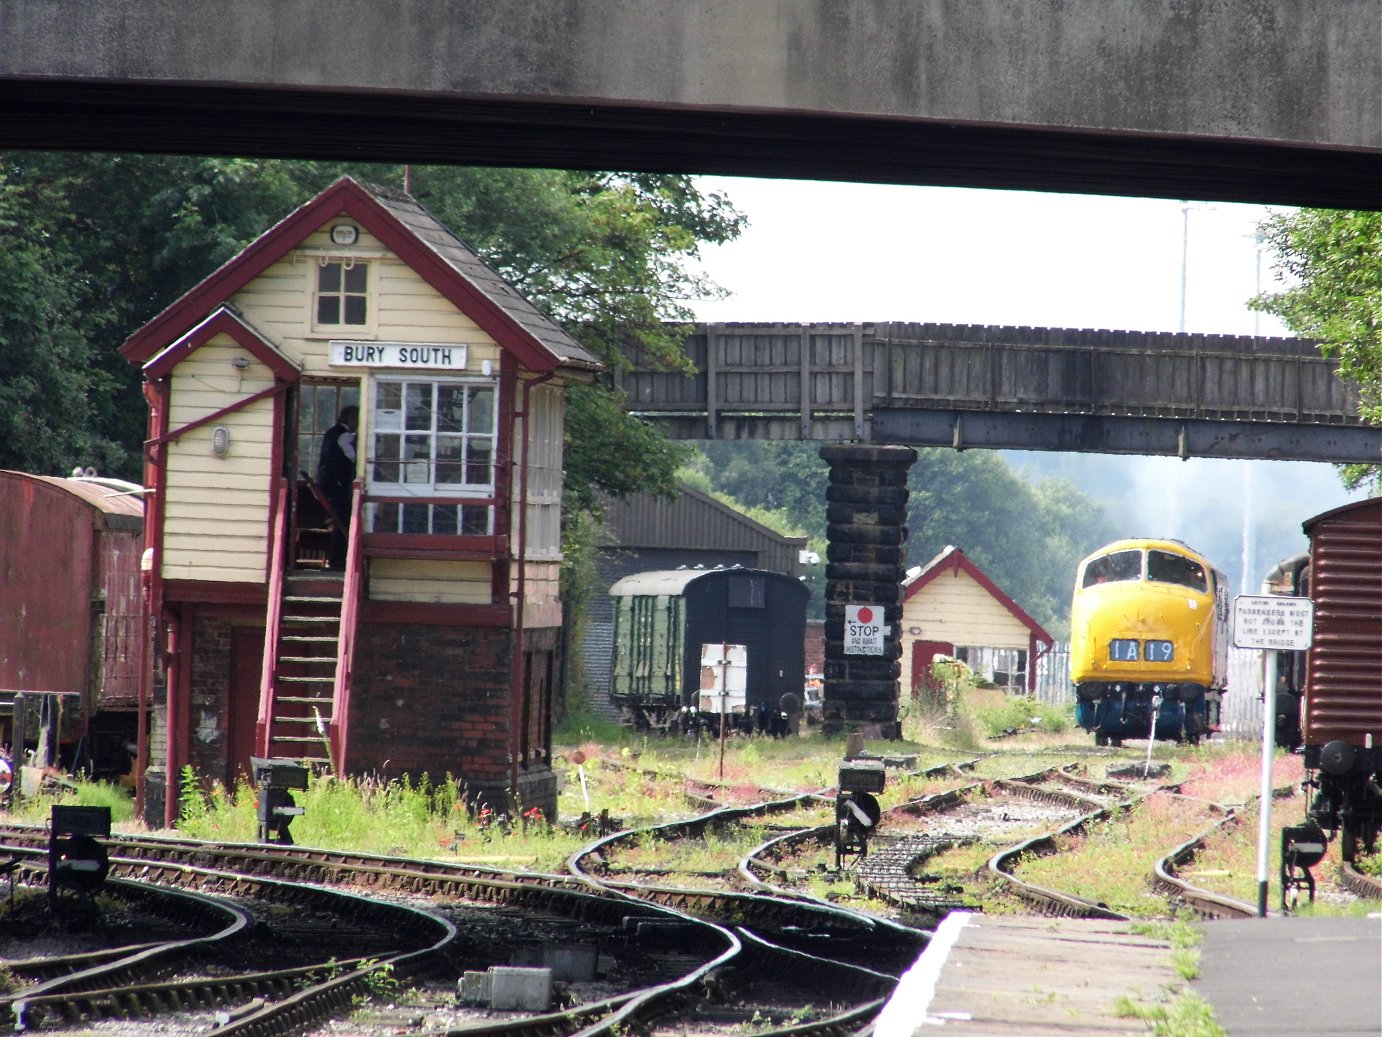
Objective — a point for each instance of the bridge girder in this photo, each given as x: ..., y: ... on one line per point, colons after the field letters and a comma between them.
x: 1101, y: 434
x: 1274, y: 101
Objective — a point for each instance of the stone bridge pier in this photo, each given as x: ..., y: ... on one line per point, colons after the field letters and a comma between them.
x: 866, y: 515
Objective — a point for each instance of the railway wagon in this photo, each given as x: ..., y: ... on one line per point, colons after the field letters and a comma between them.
x: 1149, y: 638
x: 666, y: 622
x: 70, y: 607
x: 1341, y: 722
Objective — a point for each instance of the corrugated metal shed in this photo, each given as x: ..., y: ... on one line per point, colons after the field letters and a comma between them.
x: 644, y: 534
x: 695, y: 521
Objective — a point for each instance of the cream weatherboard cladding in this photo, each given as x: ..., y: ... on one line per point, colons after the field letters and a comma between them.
x: 430, y: 580
x: 404, y: 307
x: 955, y: 608
x: 216, y: 513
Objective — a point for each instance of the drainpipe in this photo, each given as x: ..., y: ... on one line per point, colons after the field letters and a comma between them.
x: 519, y: 593
x: 174, y: 719
x: 156, y: 478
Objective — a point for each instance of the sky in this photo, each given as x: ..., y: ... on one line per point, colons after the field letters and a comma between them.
x: 817, y: 251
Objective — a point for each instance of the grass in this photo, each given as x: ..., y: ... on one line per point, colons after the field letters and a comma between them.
x: 606, y: 768
x: 394, y: 818
x: 716, y: 851
x: 1112, y: 862
x: 1184, y: 1013
x: 38, y: 809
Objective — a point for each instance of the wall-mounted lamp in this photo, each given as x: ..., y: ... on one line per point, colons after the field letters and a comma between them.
x: 486, y: 368
x: 240, y: 363
x: 914, y: 631
x: 220, y: 441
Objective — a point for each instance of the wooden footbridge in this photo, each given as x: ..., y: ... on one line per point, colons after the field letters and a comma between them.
x: 963, y: 386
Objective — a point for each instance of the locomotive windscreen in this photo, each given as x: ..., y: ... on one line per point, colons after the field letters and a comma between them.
x: 1164, y: 567
x: 1114, y: 567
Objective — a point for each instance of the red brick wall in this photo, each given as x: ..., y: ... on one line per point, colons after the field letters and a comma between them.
x: 815, y: 646
x: 431, y: 699
x: 426, y: 699
x: 436, y: 700
x: 207, y: 716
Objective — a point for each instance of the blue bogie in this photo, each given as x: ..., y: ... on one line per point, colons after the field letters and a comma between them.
x: 1115, y: 717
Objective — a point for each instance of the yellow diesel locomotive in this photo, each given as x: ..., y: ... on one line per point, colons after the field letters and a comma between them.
x: 1149, y: 637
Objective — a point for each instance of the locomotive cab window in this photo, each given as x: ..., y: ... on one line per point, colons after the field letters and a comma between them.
x: 1164, y: 567
x: 1115, y: 567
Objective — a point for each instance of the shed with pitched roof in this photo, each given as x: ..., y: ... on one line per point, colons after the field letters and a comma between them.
x: 950, y: 607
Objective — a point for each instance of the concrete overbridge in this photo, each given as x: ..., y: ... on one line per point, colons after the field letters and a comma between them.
x: 1273, y: 101
x: 967, y: 386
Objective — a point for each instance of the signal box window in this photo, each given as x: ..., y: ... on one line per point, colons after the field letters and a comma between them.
x: 342, y: 297
x: 429, y: 440
x: 747, y: 592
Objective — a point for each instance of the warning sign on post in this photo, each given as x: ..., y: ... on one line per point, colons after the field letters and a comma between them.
x: 1274, y: 622
x: 863, y: 630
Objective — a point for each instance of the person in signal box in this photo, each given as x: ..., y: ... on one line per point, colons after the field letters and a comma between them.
x: 335, y: 476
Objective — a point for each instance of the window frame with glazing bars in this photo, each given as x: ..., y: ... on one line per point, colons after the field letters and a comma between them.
x: 430, y: 441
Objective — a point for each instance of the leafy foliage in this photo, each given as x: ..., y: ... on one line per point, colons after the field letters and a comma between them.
x: 49, y: 389
x: 99, y: 244
x: 1329, y: 263
x: 1026, y: 537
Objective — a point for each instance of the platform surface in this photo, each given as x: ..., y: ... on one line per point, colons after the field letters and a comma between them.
x: 1020, y: 976
x: 1285, y: 977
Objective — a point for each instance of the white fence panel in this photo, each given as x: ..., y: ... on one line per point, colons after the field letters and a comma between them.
x: 1053, y: 686
x: 1240, y: 716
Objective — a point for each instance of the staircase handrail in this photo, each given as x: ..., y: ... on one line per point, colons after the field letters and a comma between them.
x: 350, y: 613
x: 273, y: 619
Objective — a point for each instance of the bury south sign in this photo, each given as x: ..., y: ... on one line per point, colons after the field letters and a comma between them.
x: 863, y: 630
x: 428, y: 356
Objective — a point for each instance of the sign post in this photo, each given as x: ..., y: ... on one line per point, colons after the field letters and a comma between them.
x: 1273, y: 623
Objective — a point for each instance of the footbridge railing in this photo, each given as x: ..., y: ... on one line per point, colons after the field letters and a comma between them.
x: 1009, y: 387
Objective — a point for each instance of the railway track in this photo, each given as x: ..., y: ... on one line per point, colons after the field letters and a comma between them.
x: 240, y: 870
x: 805, y: 957
x: 748, y: 949
x: 290, y: 1000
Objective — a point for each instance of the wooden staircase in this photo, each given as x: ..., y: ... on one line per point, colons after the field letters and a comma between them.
x: 303, y: 670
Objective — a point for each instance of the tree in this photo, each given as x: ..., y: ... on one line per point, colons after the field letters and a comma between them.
x: 46, y: 413
x: 1027, y: 537
x: 120, y: 237
x: 1329, y: 263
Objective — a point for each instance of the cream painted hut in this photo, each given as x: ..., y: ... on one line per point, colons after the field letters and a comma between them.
x: 434, y: 649
x: 949, y: 607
